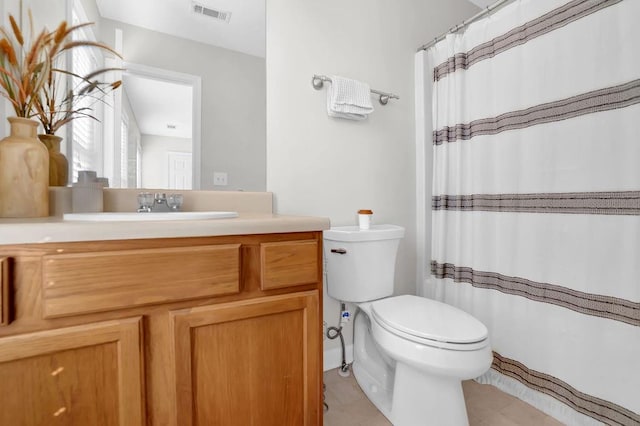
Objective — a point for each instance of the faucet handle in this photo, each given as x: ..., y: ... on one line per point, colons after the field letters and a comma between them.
x: 174, y: 201
x: 145, y: 201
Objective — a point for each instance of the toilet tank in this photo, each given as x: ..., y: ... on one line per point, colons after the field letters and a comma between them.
x: 360, y: 264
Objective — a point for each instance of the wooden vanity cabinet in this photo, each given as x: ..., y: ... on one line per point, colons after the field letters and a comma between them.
x: 186, y: 331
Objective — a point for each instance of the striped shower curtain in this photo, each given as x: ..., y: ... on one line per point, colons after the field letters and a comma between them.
x: 536, y: 199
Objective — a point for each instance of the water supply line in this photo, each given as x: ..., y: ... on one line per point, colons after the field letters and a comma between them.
x: 334, y: 332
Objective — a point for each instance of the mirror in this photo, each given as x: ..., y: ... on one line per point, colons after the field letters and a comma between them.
x: 213, y: 48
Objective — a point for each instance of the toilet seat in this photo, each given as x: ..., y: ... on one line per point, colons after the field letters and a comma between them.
x: 429, y: 322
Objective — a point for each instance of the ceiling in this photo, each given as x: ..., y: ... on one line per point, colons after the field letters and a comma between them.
x: 158, y: 104
x: 244, y: 33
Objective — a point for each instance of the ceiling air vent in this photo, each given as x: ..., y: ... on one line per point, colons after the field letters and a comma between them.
x: 211, y: 13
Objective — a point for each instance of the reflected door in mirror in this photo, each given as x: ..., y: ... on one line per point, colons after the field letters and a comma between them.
x: 180, y: 170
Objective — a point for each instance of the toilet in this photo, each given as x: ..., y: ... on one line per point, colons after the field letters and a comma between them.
x: 410, y: 353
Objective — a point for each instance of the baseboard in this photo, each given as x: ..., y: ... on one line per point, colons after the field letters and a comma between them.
x: 333, y: 357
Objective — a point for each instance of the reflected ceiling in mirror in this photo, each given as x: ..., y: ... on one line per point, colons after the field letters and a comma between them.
x: 161, y: 108
x: 233, y: 25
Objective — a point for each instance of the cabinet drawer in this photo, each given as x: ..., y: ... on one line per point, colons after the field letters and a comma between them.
x: 99, y: 281
x: 288, y: 263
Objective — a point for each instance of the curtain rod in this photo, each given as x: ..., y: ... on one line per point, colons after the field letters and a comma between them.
x: 458, y: 27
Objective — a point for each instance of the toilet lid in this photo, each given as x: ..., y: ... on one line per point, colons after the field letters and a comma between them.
x: 428, y: 319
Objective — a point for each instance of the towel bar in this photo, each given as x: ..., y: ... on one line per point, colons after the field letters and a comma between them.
x: 318, y: 82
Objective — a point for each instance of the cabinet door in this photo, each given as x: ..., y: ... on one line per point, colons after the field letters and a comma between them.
x: 84, y: 375
x: 253, y: 362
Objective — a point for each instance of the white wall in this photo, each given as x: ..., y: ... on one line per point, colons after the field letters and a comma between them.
x: 233, y: 100
x: 155, y: 171
x: 324, y: 166
x: 46, y: 13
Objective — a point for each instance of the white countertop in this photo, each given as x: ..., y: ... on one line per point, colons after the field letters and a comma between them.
x: 54, y: 229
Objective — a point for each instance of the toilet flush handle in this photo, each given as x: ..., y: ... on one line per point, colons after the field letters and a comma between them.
x: 339, y: 251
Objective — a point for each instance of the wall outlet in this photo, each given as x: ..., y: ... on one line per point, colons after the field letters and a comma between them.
x: 220, y: 178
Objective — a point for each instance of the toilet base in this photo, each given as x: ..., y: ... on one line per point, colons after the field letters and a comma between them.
x: 375, y: 391
x: 421, y: 399
x: 415, y: 400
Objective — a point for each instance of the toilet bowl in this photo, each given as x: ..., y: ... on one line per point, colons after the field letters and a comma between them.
x: 410, y: 353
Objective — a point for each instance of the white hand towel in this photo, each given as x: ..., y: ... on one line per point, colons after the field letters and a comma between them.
x: 350, y: 99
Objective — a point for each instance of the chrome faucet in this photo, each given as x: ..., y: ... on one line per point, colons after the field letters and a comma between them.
x: 159, y: 202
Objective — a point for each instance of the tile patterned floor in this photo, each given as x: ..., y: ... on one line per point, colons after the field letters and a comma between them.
x: 486, y: 406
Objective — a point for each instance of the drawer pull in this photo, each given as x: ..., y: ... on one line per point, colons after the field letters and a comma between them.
x: 4, y: 291
x: 339, y: 251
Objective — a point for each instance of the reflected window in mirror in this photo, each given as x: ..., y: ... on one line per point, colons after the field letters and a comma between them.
x: 130, y: 153
x: 124, y: 145
x: 85, y: 132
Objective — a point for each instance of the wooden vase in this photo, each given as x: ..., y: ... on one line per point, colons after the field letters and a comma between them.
x: 58, y: 164
x: 24, y: 172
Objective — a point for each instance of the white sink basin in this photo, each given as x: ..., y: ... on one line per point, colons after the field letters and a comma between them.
x: 139, y: 217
